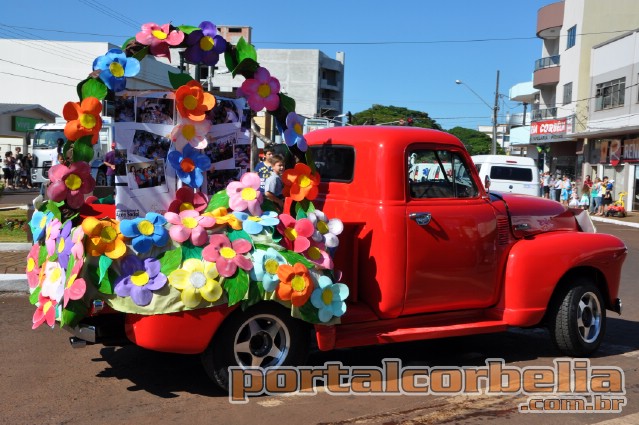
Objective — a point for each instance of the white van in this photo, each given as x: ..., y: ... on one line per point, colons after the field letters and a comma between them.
x: 516, y: 174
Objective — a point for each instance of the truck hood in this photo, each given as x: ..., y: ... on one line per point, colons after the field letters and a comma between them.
x: 531, y: 215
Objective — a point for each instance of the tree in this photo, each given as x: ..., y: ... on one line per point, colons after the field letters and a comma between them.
x: 476, y: 142
x: 393, y: 115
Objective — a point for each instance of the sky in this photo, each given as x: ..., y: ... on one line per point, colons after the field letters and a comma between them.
x: 400, y: 53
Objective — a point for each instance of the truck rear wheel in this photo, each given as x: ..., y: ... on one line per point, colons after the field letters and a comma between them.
x: 578, y: 319
x: 263, y: 336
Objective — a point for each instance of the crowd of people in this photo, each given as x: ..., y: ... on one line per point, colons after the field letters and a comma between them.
x: 17, y: 170
x: 596, y: 195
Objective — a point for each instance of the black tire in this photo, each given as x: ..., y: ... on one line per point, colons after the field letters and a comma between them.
x: 578, y: 319
x: 265, y: 335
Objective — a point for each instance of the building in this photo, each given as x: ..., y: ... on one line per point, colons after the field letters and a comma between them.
x: 16, y: 120
x: 519, y: 123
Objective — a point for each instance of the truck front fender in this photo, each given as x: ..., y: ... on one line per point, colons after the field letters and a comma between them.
x: 537, y: 265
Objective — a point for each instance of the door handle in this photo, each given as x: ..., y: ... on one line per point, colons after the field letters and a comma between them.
x: 420, y: 218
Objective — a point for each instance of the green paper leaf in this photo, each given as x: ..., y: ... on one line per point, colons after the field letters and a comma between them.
x: 268, y: 205
x: 287, y: 102
x: 83, y: 149
x: 139, y: 55
x: 73, y: 313
x: 255, y: 294
x: 104, y: 264
x: 70, y: 267
x: 33, y: 298
x: 239, y: 234
x: 126, y: 42
x: 53, y: 208
x: 171, y: 260
x: 246, y: 68
x: 187, y: 29
x: 302, y: 208
x: 219, y: 200
x: 245, y: 51
x: 94, y: 87
x: 236, y: 286
x: 293, y: 257
x: 309, y: 313
x: 191, y: 251
x: 230, y: 58
x: 42, y: 256
x: 106, y: 283
x: 178, y: 80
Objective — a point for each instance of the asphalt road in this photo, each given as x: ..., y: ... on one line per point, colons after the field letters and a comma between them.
x: 43, y: 380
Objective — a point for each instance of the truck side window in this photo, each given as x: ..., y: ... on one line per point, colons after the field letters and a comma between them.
x: 334, y: 163
x: 439, y: 174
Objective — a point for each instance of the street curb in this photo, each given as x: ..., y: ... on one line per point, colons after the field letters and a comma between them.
x: 15, y: 246
x: 611, y: 221
x: 14, y: 283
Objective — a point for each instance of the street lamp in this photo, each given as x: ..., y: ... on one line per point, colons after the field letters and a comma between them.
x: 494, y: 108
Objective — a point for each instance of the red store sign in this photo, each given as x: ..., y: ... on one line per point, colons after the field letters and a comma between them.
x: 546, y: 131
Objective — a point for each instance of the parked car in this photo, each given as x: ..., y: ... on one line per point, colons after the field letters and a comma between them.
x: 515, y: 174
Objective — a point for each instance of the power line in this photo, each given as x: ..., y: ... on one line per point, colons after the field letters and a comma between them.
x: 37, y: 69
x: 111, y: 13
x: 36, y: 79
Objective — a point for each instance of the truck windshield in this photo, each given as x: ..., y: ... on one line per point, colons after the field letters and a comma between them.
x: 48, y: 139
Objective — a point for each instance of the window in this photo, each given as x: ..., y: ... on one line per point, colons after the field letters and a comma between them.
x: 498, y: 172
x: 334, y: 163
x: 610, y: 94
x: 439, y: 174
x: 572, y: 36
x: 567, y: 93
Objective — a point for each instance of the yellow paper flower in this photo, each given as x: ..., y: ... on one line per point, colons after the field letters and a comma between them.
x: 104, y: 237
x: 196, y: 280
x: 222, y: 216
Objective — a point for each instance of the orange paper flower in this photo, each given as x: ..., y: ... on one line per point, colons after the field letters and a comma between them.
x: 104, y: 237
x: 192, y: 101
x: 300, y: 183
x: 83, y: 119
x: 295, y: 284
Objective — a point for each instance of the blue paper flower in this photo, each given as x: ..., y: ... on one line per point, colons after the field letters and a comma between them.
x: 254, y: 225
x: 114, y: 67
x: 38, y: 224
x: 204, y: 45
x: 190, y: 165
x: 294, y: 133
x: 329, y: 298
x: 265, y: 265
x: 145, y: 231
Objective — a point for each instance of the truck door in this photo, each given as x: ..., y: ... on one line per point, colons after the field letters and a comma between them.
x: 452, y: 256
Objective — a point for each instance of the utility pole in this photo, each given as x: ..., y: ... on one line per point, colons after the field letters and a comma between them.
x: 495, y: 110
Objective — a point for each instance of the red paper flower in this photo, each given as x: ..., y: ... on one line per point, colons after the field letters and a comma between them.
x: 70, y: 184
x: 187, y: 199
x: 83, y: 119
x: 300, y: 183
x: 192, y: 101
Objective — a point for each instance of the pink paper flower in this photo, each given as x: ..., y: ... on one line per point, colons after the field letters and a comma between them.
x: 33, y: 271
x: 77, y: 238
x: 187, y: 199
x: 70, y: 184
x: 45, y: 312
x: 74, y: 288
x: 296, y: 233
x: 189, y: 224
x: 159, y: 38
x: 191, y: 132
x: 261, y: 91
x: 317, y: 254
x: 246, y: 194
x: 227, y: 255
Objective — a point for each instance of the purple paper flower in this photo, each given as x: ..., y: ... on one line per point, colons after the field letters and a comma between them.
x: 294, y: 133
x: 64, y: 244
x: 204, y: 45
x: 139, y: 278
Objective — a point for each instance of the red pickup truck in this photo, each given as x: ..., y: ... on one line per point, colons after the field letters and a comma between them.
x: 426, y: 251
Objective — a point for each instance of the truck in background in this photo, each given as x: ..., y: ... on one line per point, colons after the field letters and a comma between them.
x: 515, y: 174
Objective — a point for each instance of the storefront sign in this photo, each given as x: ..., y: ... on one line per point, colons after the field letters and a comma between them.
x: 547, y: 131
x: 23, y: 124
x: 631, y: 149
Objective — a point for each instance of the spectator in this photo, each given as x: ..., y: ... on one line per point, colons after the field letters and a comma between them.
x: 264, y: 168
x: 110, y: 163
x: 273, y: 185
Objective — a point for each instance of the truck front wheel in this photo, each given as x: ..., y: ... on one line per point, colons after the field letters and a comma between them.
x: 578, y: 319
x: 265, y: 335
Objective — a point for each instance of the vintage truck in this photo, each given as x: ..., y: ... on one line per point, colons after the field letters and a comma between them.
x: 425, y: 254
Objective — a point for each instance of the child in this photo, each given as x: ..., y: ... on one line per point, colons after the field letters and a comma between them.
x: 584, y: 202
x: 273, y: 185
x: 574, y: 198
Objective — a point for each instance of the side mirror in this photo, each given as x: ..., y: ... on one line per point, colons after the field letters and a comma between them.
x: 487, y: 183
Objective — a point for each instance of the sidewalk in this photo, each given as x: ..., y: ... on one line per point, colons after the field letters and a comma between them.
x: 13, y: 255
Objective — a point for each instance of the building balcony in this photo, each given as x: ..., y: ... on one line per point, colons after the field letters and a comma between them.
x: 544, y: 114
x: 330, y: 85
x: 328, y: 104
x: 546, y: 74
x: 549, y: 20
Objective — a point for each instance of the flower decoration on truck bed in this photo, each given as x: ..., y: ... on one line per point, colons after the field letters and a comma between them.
x: 229, y: 248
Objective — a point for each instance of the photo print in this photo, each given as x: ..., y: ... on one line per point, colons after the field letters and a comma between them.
x: 120, y: 162
x: 143, y: 175
x: 124, y: 109
x: 150, y: 145
x: 220, y: 149
x: 155, y: 110
x: 242, y: 156
x: 219, y: 179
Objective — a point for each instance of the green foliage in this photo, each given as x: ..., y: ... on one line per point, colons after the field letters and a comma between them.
x: 220, y: 199
x: 171, y: 260
x: 94, y: 88
x: 476, y: 142
x: 380, y: 114
x: 83, y: 149
x: 179, y: 79
x: 236, y: 286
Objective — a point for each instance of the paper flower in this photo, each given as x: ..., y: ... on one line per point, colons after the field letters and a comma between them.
x: 46, y: 311
x: 104, y: 237
x: 295, y: 284
x: 246, y: 194
x: 294, y: 133
x: 196, y: 280
x: 75, y: 288
x: 38, y: 224
x: 83, y: 119
x: 329, y: 298
x: 190, y: 132
x: 204, y: 45
x: 192, y: 101
x: 33, y: 270
x: 190, y: 166
x: 296, y: 233
x: 188, y: 199
x: 139, y: 278
x: 77, y: 238
x: 145, y: 231
x: 300, y: 183
x: 70, y: 184
x: 319, y: 256
x: 326, y: 231
x: 254, y: 225
x: 227, y: 255
x: 265, y: 265
x: 261, y: 91
x: 53, y: 283
x: 222, y: 216
x: 52, y: 233
x: 189, y: 224
x: 64, y: 244
x: 159, y: 38
x: 114, y: 67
